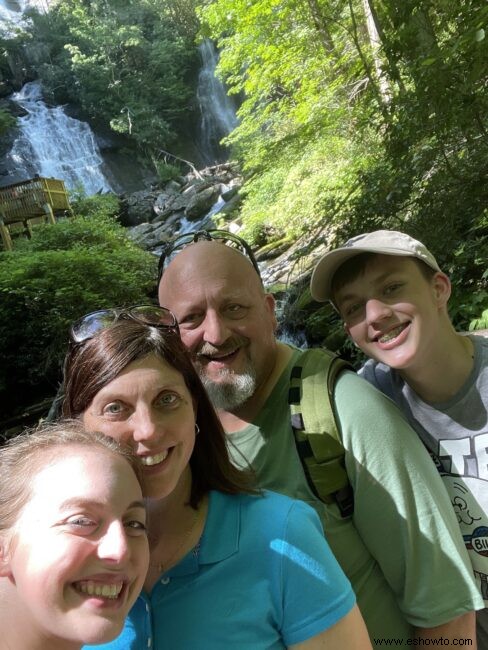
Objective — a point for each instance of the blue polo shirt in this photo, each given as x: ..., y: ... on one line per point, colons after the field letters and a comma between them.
x: 262, y: 577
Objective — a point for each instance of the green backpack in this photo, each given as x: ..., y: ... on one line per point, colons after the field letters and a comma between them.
x: 315, y: 428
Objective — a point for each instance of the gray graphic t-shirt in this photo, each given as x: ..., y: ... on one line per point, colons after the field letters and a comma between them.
x: 456, y: 435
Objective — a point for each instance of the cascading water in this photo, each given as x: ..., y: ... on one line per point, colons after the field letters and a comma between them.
x: 9, y: 11
x: 216, y: 107
x: 52, y: 144
x: 12, y: 11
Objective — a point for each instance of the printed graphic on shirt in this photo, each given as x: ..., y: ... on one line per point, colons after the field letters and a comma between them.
x: 469, y: 496
x: 457, y: 461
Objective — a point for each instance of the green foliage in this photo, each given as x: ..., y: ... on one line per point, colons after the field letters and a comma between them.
x: 7, y: 121
x: 78, y: 233
x: 343, y: 131
x: 166, y: 171
x: 65, y: 271
x: 128, y: 65
x: 340, y: 131
x: 469, y: 277
x: 294, y: 194
x: 94, y: 226
x: 97, y: 205
x: 480, y: 323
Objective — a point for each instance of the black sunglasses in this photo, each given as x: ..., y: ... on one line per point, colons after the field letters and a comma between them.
x: 90, y: 324
x: 176, y: 245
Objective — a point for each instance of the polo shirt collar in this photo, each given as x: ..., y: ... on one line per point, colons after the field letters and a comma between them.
x: 220, y: 538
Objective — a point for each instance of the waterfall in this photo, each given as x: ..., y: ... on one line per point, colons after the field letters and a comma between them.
x: 216, y: 107
x: 11, y: 11
x: 52, y: 144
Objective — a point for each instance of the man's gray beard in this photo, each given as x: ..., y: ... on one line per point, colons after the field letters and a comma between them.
x: 232, y: 393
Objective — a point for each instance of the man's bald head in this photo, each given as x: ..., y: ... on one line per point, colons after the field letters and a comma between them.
x: 199, y: 256
x: 226, y: 319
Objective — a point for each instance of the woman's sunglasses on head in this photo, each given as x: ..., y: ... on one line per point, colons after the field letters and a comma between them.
x: 96, y: 321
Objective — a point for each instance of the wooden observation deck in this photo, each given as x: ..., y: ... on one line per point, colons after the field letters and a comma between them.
x: 29, y: 202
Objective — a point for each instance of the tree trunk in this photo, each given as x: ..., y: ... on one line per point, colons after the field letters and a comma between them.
x: 382, y: 105
x: 321, y: 27
x: 393, y: 71
x: 375, y: 42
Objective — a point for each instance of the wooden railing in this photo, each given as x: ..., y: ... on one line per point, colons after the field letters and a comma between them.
x: 28, y: 202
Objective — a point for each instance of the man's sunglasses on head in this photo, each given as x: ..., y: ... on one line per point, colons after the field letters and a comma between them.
x: 227, y: 238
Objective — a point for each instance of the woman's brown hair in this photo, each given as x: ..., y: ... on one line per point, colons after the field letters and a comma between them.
x: 26, y: 454
x: 91, y: 365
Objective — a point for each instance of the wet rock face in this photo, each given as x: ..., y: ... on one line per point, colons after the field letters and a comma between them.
x: 12, y: 107
x: 155, y: 215
x: 202, y: 201
x: 137, y: 208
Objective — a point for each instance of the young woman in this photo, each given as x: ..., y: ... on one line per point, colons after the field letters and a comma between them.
x: 73, y: 543
x: 229, y: 566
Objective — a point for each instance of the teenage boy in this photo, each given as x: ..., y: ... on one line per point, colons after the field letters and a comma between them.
x: 392, y: 297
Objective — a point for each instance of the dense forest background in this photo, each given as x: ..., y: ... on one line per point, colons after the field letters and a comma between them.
x: 353, y: 115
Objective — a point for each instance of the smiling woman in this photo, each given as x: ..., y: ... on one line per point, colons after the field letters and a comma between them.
x: 73, y: 543
x: 213, y: 539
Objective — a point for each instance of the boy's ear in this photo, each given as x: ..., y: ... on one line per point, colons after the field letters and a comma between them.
x: 348, y: 332
x: 4, y: 558
x: 442, y: 288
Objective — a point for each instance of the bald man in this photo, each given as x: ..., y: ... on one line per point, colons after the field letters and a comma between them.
x: 401, y: 549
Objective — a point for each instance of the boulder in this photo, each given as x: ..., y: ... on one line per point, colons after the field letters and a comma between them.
x: 230, y: 193
x: 136, y: 233
x: 170, y: 220
x: 157, y: 235
x: 181, y: 202
x: 161, y: 203
x: 187, y: 199
x: 138, y: 208
x: 231, y: 206
x: 202, y: 202
x: 172, y: 187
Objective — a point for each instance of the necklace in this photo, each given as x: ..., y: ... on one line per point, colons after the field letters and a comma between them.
x: 186, y: 535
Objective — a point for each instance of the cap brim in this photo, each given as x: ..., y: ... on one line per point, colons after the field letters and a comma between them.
x: 321, y: 280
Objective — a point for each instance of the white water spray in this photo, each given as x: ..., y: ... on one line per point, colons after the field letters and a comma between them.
x: 12, y: 11
x: 54, y: 145
x: 216, y: 107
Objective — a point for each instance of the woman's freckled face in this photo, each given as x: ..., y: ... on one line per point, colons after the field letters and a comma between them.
x: 149, y: 407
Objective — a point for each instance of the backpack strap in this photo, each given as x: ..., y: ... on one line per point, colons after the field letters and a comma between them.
x: 316, y: 431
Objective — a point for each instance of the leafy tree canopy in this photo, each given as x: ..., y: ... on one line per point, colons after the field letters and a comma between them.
x: 360, y: 115
x: 127, y: 64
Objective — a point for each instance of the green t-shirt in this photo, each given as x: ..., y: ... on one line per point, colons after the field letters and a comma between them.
x: 401, y: 550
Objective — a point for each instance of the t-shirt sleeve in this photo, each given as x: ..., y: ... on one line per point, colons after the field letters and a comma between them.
x: 378, y: 375
x: 314, y: 590
x: 367, y: 372
x: 402, y: 510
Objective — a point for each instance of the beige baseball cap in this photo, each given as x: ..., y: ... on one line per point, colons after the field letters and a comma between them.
x: 384, y: 242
